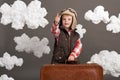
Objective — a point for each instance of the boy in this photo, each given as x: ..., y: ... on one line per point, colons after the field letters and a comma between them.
x: 67, y: 45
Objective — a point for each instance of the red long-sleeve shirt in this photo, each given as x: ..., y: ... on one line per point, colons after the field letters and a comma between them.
x: 78, y: 47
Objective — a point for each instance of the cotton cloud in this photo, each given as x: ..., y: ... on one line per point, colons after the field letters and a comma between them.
x: 34, y: 44
x: 109, y: 60
x: 80, y: 30
x: 5, y: 9
x: 114, y: 24
x: 5, y: 77
x: 35, y: 15
x: 8, y: 61
x: 20, y: 14
x: 18, y: 10
x: 97, y: 15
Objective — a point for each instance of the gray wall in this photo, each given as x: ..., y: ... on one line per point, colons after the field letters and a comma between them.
x: 95, y: 39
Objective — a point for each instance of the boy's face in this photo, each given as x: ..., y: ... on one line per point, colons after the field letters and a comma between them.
x: 66, y: 21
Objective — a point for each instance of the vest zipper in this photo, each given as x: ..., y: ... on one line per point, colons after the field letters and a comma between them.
x: 69, y: 44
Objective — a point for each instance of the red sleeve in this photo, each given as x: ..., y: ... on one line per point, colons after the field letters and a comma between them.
x: 77, y: 49
x: 55, y: 30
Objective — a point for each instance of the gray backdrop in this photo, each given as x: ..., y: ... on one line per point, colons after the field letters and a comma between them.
x: 95, y: 39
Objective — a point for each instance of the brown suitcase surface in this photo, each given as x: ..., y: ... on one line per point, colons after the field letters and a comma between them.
x: 71, y: 72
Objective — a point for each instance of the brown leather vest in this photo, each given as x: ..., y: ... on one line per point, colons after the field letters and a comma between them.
x: 66, y: 41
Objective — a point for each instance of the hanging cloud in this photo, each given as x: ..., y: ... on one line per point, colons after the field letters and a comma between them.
x: 80, y: 30
x: 18, y: 10
x: 35, y: 15
x: 5, y: 10
x: 109, y: 60
x: 34, y: 44
x: 97, y: 15
x: 20, y: 14
x: 5, y: 77
x: 114, y: 24
x: 8, y: 61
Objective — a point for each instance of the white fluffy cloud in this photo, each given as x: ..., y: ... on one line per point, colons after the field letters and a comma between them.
x: 34, y: 44
x: 5, y: 77
x: 18, y: 10
x: 114, y: 24
x: 20, y: 14
x: 8, y: 61
x: 35, y: 15
x: 109, y: 60
x: 80, y: 30
x: 5, y: 10
x: 97, y: 15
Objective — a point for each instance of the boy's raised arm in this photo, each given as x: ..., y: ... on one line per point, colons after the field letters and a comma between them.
x: 55, y: 26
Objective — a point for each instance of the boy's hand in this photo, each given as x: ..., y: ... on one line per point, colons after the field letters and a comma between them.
x: 57, y: 18
x: 71, y: 58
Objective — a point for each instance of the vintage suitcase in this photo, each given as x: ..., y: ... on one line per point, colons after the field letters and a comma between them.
x: 71, y: 72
